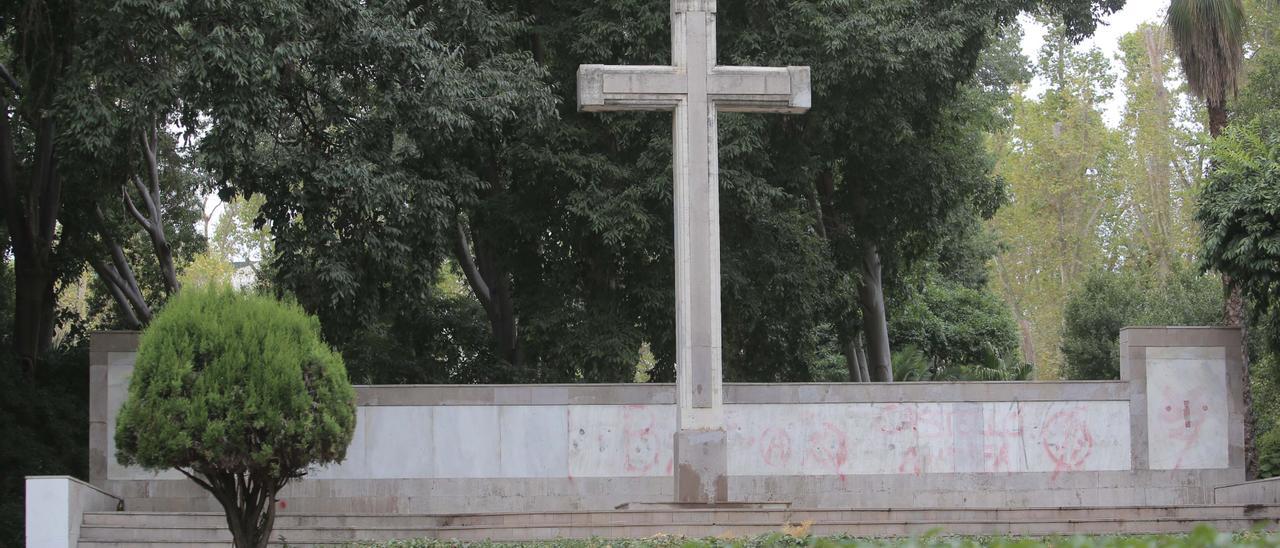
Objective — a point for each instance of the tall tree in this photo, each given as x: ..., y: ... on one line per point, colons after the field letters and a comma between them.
x: 1060, y: 160
x: 368, y: 141
x: 1163, y: 163
x: 84, y: 117
x: 1209, y: 37
x: 883, y: 204
x: 41, y: 44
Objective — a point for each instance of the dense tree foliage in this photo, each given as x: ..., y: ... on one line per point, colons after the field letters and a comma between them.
x: 1107, y: 301
x: 956, y: 326
x: 398, y: 144
x: 1240, y: 208
x: 1061, y: 161
x: 1093, y: 196
x: 1256, y: 103
x: 793, y: 258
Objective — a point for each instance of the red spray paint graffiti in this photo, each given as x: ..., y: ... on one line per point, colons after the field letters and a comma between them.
x: 639, y: 442
x: 1182, y: 416
x: 775, y: 447
x: 1066, y: 439
x: 895, y: 417
x: 1002, y: 431
x: 828, y: 449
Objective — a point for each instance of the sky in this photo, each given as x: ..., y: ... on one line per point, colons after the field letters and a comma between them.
x: 1106, y: 38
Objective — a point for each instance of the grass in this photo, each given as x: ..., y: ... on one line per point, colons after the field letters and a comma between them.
x: 797, y: 536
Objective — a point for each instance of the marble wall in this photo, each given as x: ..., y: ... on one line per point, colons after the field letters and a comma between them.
x: 1173, y: 417
x: 771, y: 439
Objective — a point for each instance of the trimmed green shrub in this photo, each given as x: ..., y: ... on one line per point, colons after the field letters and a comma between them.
x: 239, y: 393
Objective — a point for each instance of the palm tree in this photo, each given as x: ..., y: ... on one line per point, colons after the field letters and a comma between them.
x: 1209, y: 38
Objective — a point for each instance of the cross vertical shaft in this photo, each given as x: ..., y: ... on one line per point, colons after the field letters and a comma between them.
x: 694, y: 88
x: 697, y: 227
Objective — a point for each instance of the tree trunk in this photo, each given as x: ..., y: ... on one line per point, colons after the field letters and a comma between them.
x: 491, y: 284
x: 33, y: 310
x: 31, y: 205
x: 32, y: 231
x: 1028, y: 343
x: 860, y: 350
x: 874, y: 323
x: 1233, y: 316
x: 1233, y: 305
x: 248, y: 503
x: 1250, y: 426
x: 1157, y: 163
x: 117, y: 293
x: 250, y: 527
x: 1217, y: 119
x: 268, y: 523
x: 153, y: 220
x: 850, y: 348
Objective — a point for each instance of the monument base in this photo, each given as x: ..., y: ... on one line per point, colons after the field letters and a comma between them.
x: 701, y: 466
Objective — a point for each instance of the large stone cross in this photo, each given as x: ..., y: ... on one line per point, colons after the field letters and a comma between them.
x: 695, y: 88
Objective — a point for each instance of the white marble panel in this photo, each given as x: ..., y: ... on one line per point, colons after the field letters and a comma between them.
x: 826, y: 431
x: 119, y: 371
x: 1003, y: 447
x: 891, y: 442
x: 48, y: 517
x: 535, y: 441
x: 763, y: 440
x: 1187, y: 408
x: 467, y: 442
x: 355, y: 464
x: 927, y: 438
x: 621, y: 440
x: 398, y: 441
x: 935, y: 450
x: 1074, y: 436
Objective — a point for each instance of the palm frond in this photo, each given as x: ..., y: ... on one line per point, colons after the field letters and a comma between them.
x: 1209, y: 38
x: 911, y: 364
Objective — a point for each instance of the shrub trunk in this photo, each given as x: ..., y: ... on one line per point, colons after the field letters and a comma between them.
x: 249, y: 506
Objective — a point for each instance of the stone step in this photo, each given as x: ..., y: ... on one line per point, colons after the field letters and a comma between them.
x: 121, y: 529
x: 616, y: 517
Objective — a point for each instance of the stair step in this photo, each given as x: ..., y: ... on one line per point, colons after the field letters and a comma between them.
x: 150, y: 529
x: 287, y: 521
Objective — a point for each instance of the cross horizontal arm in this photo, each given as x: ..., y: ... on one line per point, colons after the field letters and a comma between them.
x: 731, y: 89
x: 611, y: 87
x: 760, y: 89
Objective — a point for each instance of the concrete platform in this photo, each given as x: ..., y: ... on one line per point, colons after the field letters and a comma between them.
x: 153, y: 529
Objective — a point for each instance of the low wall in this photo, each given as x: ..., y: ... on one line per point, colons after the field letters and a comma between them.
x: 1265, y: 491
x: 1167, y: 433
x: 55, y: 506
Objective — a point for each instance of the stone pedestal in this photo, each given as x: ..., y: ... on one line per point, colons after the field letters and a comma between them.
x: 701, y: 466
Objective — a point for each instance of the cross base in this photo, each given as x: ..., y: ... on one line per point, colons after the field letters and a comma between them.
x: 701, y: 466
